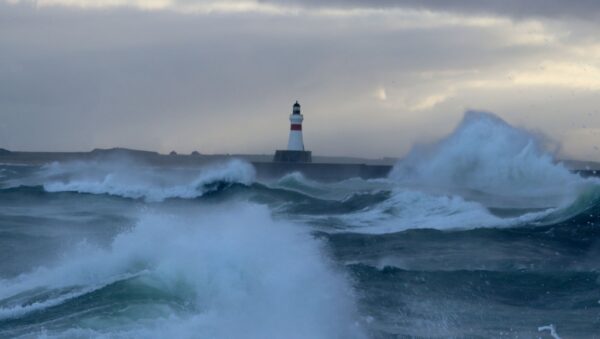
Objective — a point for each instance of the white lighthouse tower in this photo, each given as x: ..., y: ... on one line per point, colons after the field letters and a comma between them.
x: 295, y: 151
x: 295, y: 142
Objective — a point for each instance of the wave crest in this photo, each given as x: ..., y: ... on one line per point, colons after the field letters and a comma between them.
x: 131, y: 180
x: 488, y: 160
x: 220, y: 275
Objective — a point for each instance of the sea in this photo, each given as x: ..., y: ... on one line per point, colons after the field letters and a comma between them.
x: 481, y: 234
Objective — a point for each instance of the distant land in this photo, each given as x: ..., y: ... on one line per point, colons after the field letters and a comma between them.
x: 322, y: 167
x: 194, y: 158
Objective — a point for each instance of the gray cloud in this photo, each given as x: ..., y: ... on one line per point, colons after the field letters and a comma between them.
x: 73, y: 79
x: 588, y: 9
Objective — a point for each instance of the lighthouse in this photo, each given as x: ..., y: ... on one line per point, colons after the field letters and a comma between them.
x: 295, y: 142
x: 295, y: 150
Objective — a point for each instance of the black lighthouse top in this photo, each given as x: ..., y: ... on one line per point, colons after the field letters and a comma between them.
x: 296, y: 109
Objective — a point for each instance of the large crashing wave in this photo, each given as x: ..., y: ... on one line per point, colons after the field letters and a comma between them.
x: 225, y: 272
x: 486, y: 173
x: 487, y: 158
x: 131, y: 180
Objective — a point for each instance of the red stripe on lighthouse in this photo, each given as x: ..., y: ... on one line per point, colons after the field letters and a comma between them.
x: 296, y: 127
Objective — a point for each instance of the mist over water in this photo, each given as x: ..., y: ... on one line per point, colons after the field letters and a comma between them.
x: 482, y: 234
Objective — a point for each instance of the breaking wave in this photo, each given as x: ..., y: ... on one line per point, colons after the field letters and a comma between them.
x: 484, y: 174
x: 487, y: 160
x: 209, y: 273
x: 131, y: 180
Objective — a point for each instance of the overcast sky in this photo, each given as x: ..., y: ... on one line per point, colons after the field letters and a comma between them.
x: 374, y: 77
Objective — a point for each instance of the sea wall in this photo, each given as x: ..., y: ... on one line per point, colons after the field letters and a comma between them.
x: 321, y: 172
x: 264, y: 169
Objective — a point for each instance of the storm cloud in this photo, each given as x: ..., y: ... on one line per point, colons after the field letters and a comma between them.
x: 373, y: 77
x: 588, y: 9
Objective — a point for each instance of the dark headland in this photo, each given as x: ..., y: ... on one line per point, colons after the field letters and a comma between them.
x: 323, y: 168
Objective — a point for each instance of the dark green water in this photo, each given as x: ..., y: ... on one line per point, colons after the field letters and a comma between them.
x: 88, y: 251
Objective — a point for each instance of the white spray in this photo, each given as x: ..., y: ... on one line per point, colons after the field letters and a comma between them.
x: 486, y: 156
x: 242, y: 273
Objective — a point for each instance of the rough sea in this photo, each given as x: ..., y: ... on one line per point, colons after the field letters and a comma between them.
x: 479, y: 235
